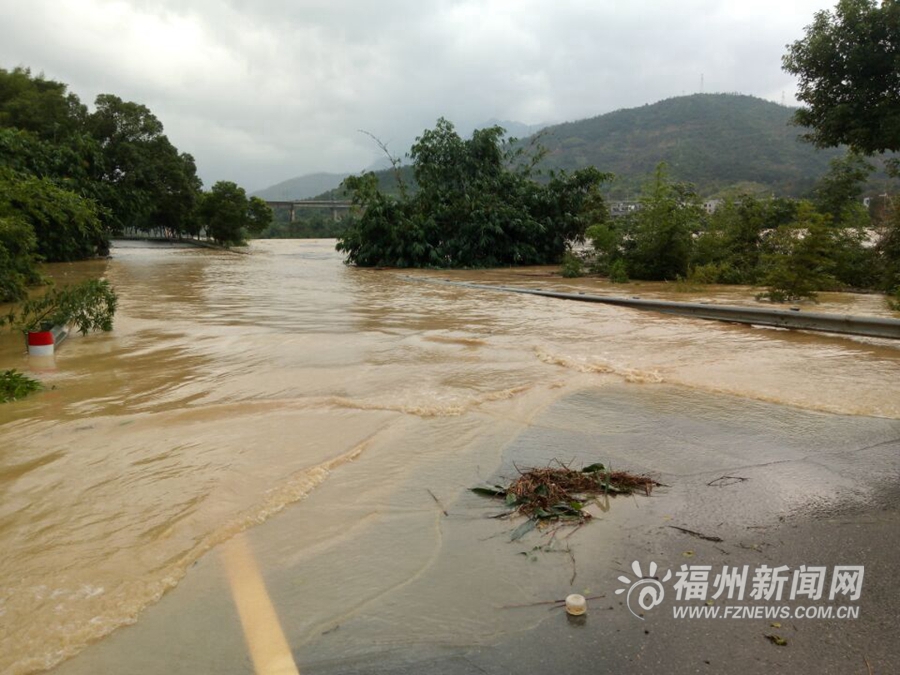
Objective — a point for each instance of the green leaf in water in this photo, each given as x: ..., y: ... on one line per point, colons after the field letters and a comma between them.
x: 489, y: 491
x: 523, y: 529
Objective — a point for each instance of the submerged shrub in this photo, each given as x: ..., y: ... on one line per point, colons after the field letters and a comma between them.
x: 14, y: 385
x: 572, y: 266
x: 618, y: 272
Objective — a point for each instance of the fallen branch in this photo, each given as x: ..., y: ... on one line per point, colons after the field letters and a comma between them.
x: 697, y: 534
x: 438, y: 502
x: 574, y: 568
x: 548, y: 602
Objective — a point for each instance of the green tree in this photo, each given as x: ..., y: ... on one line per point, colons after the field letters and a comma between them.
x: 38, y: 105
x: 146, y: 183
x: 730, y: 245
x: 259, y: 216
x: 839, y: 196
x: 476, y: 205
x: 889, y: 249
x: 800, y: 258
x: 848, y: 65
x: 229, y: 216
x: 66, y: 226
x: 659, y: 235
x: 71, y: 165
x: 839, y: 192
x: 18, y: 258
x: 176, y: 193
x: 606, y: 240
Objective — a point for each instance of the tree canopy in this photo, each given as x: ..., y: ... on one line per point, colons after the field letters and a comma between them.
x: 794, y: 247
x: 659, y: 235
x: 476, y: 206
x: 849, y: 69
x: 69, y: 178
x: 66, y: 226
x: 229, y: 216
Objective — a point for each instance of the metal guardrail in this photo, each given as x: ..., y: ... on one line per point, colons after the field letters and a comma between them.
x: 868, y: 326
x: 60, y: 333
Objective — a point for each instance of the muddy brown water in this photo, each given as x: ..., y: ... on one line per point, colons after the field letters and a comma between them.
x: 235, y: 386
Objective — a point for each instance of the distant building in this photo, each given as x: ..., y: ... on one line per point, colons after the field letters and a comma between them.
x: 711, y: 205
x: 623, y: 208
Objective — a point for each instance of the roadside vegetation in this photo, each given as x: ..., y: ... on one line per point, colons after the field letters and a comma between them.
x: 793, y: 247
x: 87, y: 307
x: 70, y: 178
x: 14, y: 386
x: 476, y: 205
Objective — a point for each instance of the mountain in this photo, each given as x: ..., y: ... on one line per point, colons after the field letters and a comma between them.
x: 712, y: 140
x: 513, y: 129
x: 301, y: 187
x: 718, y: 142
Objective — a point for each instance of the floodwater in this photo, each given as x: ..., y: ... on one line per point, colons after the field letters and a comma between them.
x: 235, y: 386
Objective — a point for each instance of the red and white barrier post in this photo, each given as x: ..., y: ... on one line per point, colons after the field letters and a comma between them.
x: 40, y: 343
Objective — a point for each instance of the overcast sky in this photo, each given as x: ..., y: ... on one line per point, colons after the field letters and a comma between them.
x: 263, y: 90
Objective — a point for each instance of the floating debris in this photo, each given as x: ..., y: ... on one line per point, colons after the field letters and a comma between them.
x: 694, y: 533
x: 561, y: 493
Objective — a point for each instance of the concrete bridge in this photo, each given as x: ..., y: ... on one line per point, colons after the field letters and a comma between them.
x: 293, y: 205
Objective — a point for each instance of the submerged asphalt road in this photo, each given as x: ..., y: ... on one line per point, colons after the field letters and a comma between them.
x: 807, y: 488
x: 816, y: 489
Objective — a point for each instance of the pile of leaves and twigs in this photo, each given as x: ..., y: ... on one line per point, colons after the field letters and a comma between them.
x: 561, y: 493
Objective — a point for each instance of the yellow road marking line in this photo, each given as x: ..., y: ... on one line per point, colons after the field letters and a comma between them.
x: 268, y: 647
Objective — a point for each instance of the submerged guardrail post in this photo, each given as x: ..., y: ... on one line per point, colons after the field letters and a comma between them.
x: 43, y: 342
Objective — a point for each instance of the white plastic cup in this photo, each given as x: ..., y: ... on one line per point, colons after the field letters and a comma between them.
x: 576, y: 605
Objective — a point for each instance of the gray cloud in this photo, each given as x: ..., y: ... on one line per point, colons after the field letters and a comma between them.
x: 262, y: 91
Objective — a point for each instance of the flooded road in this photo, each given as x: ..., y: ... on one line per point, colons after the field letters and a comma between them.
x: 236, y: 385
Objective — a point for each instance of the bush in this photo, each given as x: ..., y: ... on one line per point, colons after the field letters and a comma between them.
x: 572, y: 266
x: 607, y: 243
x: 705, y: 274
x: 714, y: 273
x: 894, y: 300
x: 618, y: 272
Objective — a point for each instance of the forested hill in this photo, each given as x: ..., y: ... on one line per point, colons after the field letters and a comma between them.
x: 712, y: 140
